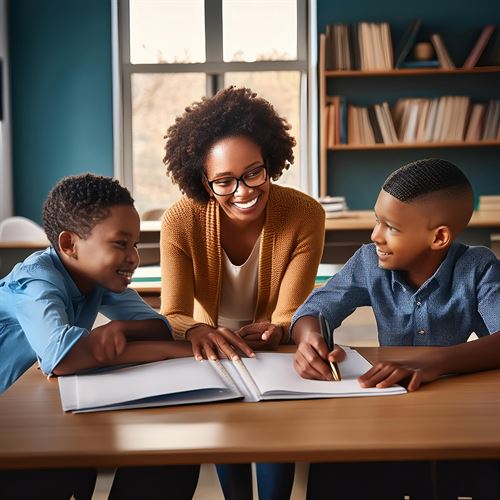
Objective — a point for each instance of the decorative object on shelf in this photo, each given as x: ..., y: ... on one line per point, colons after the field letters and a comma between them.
x: 423, y: 51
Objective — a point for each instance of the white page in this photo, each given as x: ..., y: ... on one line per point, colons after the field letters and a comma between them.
x: 277, y: 379
x: 243, y: 380
x: 142, y: 381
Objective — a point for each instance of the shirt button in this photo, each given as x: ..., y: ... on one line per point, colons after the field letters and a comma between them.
x: 421, y: 331
x: 419, y: 303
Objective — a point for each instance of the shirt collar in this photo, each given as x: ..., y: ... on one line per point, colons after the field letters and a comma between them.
x: 441, y: 275
x: 74, y: 290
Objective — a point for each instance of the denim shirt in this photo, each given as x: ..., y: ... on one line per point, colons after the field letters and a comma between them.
x: 463, y: 296
x: 43, y: 314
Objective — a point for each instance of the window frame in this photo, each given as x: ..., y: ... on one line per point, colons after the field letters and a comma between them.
x: 215, y: 68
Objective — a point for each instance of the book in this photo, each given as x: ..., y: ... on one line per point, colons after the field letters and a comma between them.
x: 343, y: 120
x: 406, y: 43
x: 442, y: 52
x: 333, y: 203
x: 268, y: 376
x: 489, y: 202
x: 491, y: 54
x: 475, y: 127
x: 491, y: 120
x: 431, y: 63
x: 375, y: 125
x: 479, y: 46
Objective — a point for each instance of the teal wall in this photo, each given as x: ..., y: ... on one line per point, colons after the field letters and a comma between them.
x: 359, y: 174
x: 60, y: 56
x: 61, y: 87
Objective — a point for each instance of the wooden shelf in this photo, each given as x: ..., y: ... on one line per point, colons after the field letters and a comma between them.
x: 415, y: 145
x: 325, y: 99
x: 410, y: 72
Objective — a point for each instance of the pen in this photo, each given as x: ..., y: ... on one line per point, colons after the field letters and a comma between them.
x: 328, y: 337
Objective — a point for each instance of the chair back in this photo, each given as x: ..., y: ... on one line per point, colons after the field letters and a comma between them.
x: 21, y: 229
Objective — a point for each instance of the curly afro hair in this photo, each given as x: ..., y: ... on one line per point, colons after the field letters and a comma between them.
x: 77, y: 203
x: 423, y: 177
x: 231, y: 112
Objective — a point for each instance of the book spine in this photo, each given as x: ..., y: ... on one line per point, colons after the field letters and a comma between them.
x: 224, y: 374
x: 248, y: 380
x: 479, y: 46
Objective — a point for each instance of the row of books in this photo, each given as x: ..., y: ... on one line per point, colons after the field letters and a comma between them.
x: 368, y: 46
x: 412, y: 120
x: 365, y: 46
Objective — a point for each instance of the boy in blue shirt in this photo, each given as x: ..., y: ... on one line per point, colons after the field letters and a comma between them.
x: 425, y: 290
x: 48, y: 305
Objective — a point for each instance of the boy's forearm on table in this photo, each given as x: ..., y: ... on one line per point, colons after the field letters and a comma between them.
x: 480, y: 354
x: 147, y: 329
x: 141, y: 351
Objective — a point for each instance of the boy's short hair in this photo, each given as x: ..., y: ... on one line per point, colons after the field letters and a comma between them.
x: 423, y: 177
x: 77, y: 203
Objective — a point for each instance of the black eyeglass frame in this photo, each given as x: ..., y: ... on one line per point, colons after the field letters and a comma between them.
x: 238, y: 180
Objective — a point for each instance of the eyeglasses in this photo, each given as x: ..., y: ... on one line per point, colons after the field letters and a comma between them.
x: 226, y: 186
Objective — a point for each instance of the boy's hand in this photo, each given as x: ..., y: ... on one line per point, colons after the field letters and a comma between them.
x: 210, y: 343
x: 312, y: 355
x: 411, y: 374
x: 107, y: 341
x: 261, y: 336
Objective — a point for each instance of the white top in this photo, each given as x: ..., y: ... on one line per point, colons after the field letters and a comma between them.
x: 239, y: 290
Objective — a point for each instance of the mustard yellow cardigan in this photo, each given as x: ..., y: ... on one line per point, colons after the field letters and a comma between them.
x: 191, y: 262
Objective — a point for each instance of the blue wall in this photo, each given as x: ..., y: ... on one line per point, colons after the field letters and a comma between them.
x: 359, y: 174
x: 60, y: 57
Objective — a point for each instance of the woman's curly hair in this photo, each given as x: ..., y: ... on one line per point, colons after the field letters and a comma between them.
x: 77, y: 203
x: 231, y: 112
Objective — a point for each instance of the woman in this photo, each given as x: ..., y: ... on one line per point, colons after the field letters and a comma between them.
x: 238, y: 253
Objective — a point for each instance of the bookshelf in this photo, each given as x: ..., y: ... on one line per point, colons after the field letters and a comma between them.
x: 407, y: 79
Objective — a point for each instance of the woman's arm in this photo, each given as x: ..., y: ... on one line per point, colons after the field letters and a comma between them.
x: 177, y: 280
x: 298, y: 280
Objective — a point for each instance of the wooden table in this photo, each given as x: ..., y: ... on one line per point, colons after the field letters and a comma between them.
x: 456, y: 417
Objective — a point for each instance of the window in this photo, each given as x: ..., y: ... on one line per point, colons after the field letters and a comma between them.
x: 174, y: 52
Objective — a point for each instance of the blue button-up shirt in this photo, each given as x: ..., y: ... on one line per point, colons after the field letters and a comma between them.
x: 463, y: 296
x: 43, y: 314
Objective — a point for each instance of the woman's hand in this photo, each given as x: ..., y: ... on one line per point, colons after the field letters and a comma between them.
x: 312, y: 357
x: 107, y: 341
x: 210, y: 343
x: 261, y: 336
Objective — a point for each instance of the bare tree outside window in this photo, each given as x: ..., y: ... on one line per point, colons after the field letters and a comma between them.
x: 174, y: 52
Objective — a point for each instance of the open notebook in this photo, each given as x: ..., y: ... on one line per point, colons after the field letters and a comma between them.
x: 186, y: 381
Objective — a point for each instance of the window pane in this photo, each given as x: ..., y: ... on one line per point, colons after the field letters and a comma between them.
x: 282, y: 90
x: 156, y: 100
x: 259, y: 30
x: 167, y: 31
